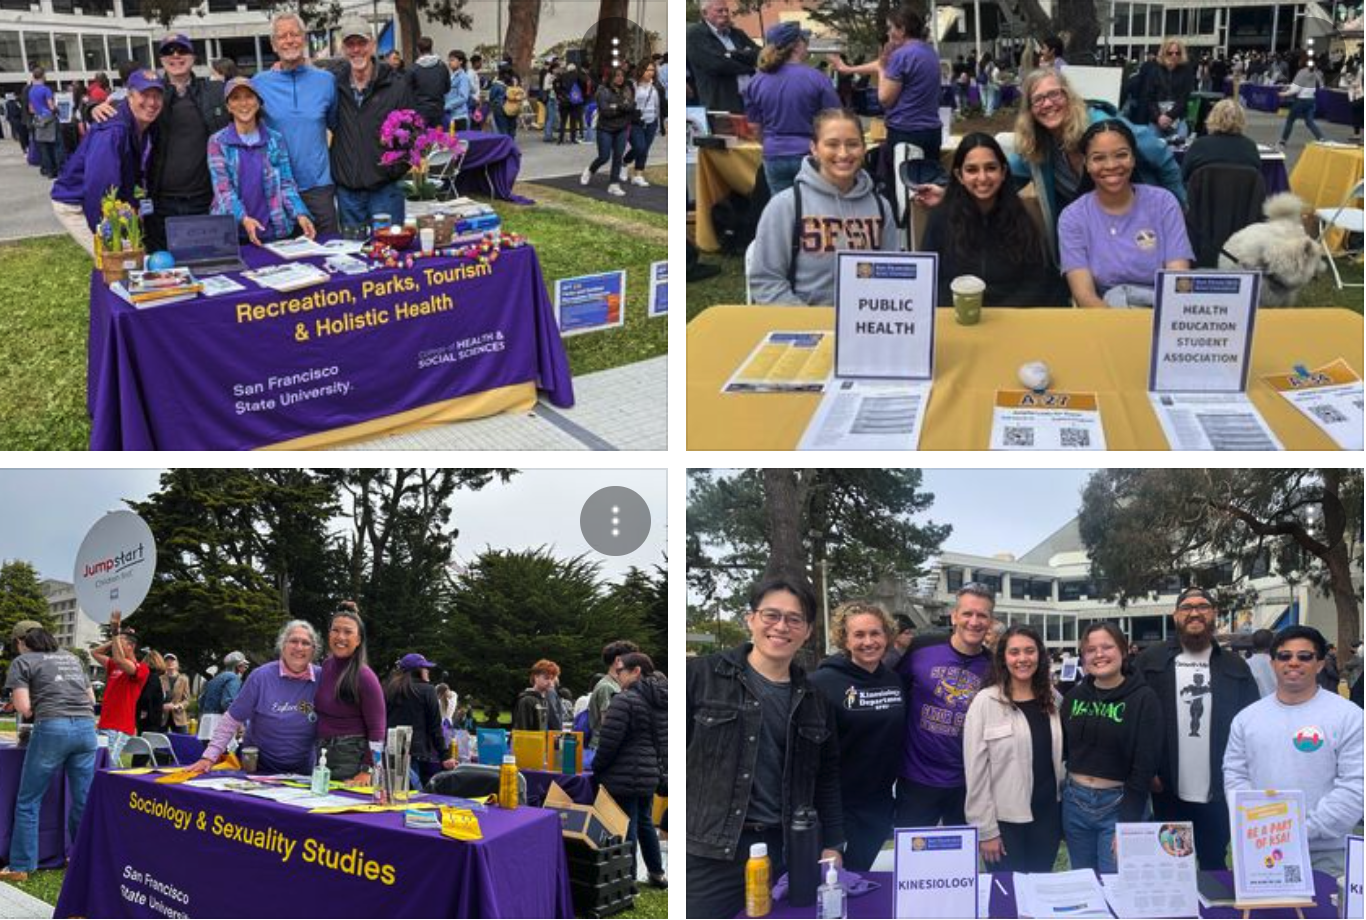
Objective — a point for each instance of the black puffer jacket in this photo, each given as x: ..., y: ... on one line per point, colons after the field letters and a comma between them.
x: 355, y: 143
x: 633, y: 746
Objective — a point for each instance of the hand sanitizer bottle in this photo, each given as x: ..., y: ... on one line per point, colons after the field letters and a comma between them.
x: 322, y: 777
x: 831, y: 900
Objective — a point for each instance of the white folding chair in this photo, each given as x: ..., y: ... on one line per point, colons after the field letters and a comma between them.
x: 159, y: 742
x: 1348, y: 219
x: 137, y: 745
x: 443, y: 166
x: 749, y: 262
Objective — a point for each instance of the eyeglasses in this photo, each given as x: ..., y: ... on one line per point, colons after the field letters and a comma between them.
x: 1302, y: 657
x: 770, y: 617
x: 1052, y: 97
x: 1119, y: 158
x: 1195, y: 608
x: 1174, y: 52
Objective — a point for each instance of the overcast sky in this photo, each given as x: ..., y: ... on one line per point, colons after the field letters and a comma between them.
x: 1002, y: 511
x: 44, y: 514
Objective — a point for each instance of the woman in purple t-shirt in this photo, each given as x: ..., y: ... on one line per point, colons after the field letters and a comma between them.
x: 908, y: 88
x: 783, y: 100
x: 350, y: 701
x: 1114, y: 239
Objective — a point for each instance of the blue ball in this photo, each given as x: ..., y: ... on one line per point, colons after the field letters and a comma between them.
x: 160, y: 261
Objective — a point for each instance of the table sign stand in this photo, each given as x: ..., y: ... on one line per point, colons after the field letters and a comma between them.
x: 1271, y: 863
x: 1203, y: 324
x: 1297, y: 905
x: 936, y: 873
x: 884, y: 353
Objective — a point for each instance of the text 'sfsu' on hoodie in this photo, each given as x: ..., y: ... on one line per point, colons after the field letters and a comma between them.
x: 831, y: 221
x: 870, y: 718
x: 1115, y: 734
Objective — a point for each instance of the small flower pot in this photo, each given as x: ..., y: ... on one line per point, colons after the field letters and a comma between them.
x: 115, y: 266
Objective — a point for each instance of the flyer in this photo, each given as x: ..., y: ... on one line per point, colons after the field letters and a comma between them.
x: 936, y: 872
x: 1157, y: 870
x: 1330, y: 397
x: 1202, y: 331
x: 1270, y: 846
x: 590, y: 302
x: 884, y: 314
x: 785, y: 362
x: 1026, y: 420
x: 860, y: 414
x: 659, y: 289
x: 1212, y: 421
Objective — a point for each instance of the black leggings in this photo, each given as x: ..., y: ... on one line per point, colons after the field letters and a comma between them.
x: 1031, y: 847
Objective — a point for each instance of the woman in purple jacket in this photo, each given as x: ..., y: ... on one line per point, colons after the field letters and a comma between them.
x: 114, y: 153
x: 350, y: 701
x: 782, y: 101
x: 252, y: 178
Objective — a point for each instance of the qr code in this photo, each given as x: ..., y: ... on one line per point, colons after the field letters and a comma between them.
x: 1075, y: 437
x: 1292, y: 875
x: 1327, y: 414
x: 1019, y: 437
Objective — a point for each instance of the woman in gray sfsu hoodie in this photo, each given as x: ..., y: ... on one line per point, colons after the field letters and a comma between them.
x: 831, y: 220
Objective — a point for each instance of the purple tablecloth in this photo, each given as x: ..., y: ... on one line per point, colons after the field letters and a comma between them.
x: 1273, y: 171
x: 188, y: 748
x: 579, y: 786
x: 491, y: 165
x: 1333, y: 105
x: 53, y: 844
x: 1261, y: 98
x: 878, y: 904
x: 221, y: 854
x: 209, y: 374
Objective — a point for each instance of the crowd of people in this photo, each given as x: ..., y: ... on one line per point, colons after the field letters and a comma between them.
x: 970, y: 726
x: 1110, y: 197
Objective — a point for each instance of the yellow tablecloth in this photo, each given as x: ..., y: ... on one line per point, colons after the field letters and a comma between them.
x: 1324, y: 174
x: 720, y: 172
x: 1101, y: 351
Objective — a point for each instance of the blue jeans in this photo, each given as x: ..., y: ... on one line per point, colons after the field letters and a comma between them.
x: 55, y: 744
x: 611, y: 146
x: 642, y: 137
x: 1088, y: 825
x: 358, y: 206
x: 117, y: 740
x: 638, y: 809
x: 552, y: 117
x: 991, y: 97
x: 1301, y: 108
x: 780, y: 171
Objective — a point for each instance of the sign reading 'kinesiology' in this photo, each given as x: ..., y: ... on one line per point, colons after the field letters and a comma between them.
x: 884, y: 314
x: 936, y: 872
x: 1270, y: 846
x: 1355, y: 903
x: 1202, y: 331
x: 114, y: 566
x: 590, y: 302
x: 659, y: 288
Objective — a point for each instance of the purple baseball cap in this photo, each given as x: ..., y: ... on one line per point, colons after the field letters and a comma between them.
x: 237, y: 83
x: 412, y: 661
x: 143, y: 80
x: 175, y: 40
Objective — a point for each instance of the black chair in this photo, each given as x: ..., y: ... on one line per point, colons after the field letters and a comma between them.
x: 471, y: 780
x: 1221, y: 200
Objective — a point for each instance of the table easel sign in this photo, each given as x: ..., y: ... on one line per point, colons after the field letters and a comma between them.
x: 1271, y: 863
x: 936, y: 872
x: 659, y: 289
x: 1353, y: 901
x: 1202, y: 331
x: 884, y: 314
x: 590, y: 302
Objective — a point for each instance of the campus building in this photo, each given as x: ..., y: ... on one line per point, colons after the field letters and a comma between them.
x: 74, y: 628
x: 1050, y: 588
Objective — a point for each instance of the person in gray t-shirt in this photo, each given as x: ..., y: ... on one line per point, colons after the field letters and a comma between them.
x: 49, y: 686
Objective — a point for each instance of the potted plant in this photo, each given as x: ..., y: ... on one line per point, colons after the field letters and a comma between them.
x: 406, y: 138
x: 118, y: 238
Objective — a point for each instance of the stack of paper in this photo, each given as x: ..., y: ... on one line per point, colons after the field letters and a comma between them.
x: 1060, y: 894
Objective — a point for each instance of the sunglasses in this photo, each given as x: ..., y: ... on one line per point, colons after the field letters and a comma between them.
x: 1303, y: 657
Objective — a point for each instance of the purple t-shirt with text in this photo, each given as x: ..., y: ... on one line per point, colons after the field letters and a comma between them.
x: 916, y: 67
x: 1128, y: 249
x: 280, y: 718
x: 940, y: 683
x: 784, y: 103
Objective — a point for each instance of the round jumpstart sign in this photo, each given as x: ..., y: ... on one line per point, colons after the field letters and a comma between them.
x: 114, y: 566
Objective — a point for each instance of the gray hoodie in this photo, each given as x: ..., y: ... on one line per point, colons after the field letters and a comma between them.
x: 831, y: 221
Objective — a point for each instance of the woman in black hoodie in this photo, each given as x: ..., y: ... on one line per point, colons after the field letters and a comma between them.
x: 632, y: 760
x: 1112, y: 742
x: 870, y: 721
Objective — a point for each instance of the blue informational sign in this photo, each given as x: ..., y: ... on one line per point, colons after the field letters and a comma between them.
x: 590, y: 302
x: 659, y: 288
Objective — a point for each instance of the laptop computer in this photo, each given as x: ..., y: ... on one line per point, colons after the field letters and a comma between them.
x: 205, y: 243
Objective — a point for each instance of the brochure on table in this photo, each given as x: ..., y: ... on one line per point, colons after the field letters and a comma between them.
x: 884, y: 353
x: 1202, y: 345
x: 1075, y: 893
x: 936, y: 872
x: 1329, y: 396
x: 1049, y: 420
x: 1354, y: 904
x: 1157, y: 870
x: 1270, y: 847
x: 786, y: 362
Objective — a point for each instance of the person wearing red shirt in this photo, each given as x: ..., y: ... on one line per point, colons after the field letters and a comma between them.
x: 125, y: 677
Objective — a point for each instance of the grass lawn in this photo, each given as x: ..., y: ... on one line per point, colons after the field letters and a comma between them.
x: 45, y: 287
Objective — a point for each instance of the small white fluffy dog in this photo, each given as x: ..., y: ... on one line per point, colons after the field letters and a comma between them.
x: 1278, y: 248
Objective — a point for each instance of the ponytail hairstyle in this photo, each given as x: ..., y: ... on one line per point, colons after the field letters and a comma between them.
x: 775, y: 56
x: 348, y: 685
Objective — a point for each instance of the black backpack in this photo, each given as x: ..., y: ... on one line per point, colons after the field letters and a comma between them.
x: 735, y: 218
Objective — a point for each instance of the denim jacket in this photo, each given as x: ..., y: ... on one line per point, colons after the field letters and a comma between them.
x: 282, y: 195
x: 723, y: 733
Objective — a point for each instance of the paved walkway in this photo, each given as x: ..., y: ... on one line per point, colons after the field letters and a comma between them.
x: 15, y: 903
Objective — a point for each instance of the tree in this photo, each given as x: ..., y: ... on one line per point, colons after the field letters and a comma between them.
x: 861, y: 23
x: 613, y: 23
x: 788, y: 522
x: 647, y: 596
x: 316, y: 14
x: 21, y: 598
x: 450, y: 13
x: 524, y: 20
x: 1142, y: 526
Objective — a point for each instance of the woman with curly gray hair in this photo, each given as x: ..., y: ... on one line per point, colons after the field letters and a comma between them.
x: 870, y: 716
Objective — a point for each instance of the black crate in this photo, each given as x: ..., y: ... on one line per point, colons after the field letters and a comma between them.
x: 604, y: 899
x: 594, y: 867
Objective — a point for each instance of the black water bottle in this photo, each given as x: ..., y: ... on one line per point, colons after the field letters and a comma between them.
x: 803, y: 858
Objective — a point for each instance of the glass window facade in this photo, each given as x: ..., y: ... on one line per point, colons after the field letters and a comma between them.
x: 93, y: 53
x: 38, y: 49
x: 68, y: 51
x: 11, y: 52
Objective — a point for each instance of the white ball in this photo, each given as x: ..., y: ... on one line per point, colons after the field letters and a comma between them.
x: 1034, y: 375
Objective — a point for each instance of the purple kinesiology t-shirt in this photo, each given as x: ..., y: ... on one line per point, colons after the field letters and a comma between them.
x: 940, y: 683
x: 784, y: 104
x: 1126, y: 249
x: 916, y: 67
